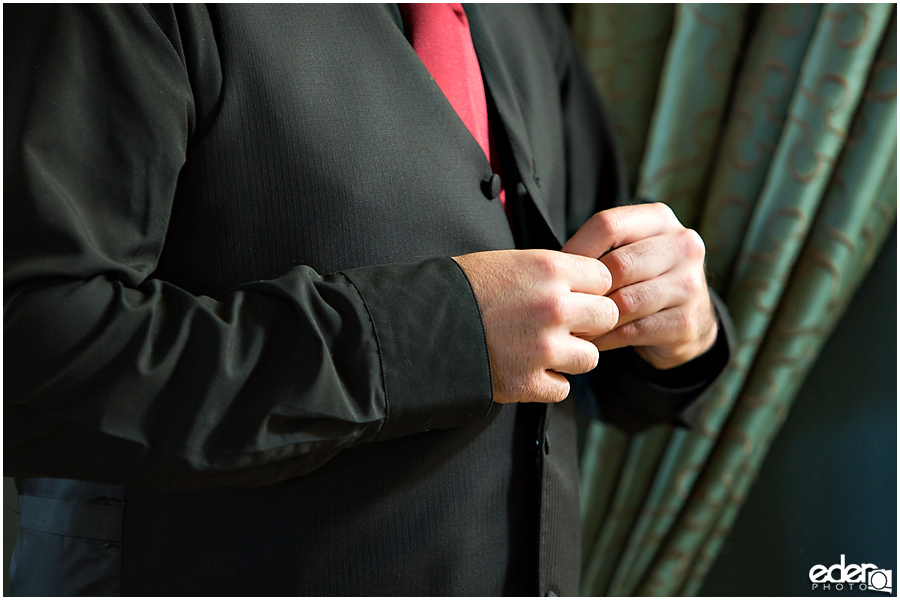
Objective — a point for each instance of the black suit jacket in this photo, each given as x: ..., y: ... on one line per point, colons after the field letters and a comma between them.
x: 243, y: 361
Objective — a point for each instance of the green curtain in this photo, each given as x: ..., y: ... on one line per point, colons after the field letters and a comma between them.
x: 772, y: 130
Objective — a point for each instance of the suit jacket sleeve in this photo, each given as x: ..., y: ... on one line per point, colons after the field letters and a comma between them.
x: 113, y: 375
x: 623, y: 389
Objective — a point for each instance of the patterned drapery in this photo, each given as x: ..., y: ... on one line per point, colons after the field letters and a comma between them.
x: 772, y: 130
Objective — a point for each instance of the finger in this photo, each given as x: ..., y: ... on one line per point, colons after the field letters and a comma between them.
x: 643, y: 299
x: 575, y: 356
x: 619, y: 226
x: 553, y: 387
x: 591, y: 315
x: 659, y: 329
x: 585, y: 275
x: 651, y: 257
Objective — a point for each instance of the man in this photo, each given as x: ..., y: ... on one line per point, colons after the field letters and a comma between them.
x: 267, y: 331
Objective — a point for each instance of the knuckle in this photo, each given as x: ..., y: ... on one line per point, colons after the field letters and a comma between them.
x: 620, y: 264
x: 548, y: 264
x: 693, y: 244
x: 607, y: 223
x: 554, y: 309
x: 627, y: 301
x: 694, y: 283
x: 665, y: 211
x: 631, y: 330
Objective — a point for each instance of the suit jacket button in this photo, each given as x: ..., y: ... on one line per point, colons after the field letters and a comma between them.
x: 521, y: 189
x: 491, y: 187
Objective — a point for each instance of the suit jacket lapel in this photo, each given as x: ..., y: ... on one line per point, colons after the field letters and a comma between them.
x: 394, y: 11
x: 497, y: 84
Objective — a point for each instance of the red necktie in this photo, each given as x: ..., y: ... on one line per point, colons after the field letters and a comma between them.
x: 439, y: 33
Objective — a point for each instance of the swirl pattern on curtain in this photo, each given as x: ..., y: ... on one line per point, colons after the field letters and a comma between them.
x: 772, y: 130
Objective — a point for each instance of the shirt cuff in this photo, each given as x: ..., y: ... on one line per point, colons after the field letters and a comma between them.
x: 434, y: 357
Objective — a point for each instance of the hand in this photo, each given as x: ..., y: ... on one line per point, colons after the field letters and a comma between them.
x: 658, y: 282
x: 539, y: 307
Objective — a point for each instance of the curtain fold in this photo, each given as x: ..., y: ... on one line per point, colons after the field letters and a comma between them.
x: 772, y: 130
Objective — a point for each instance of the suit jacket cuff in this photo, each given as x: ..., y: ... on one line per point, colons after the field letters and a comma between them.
x: 434, y: 358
